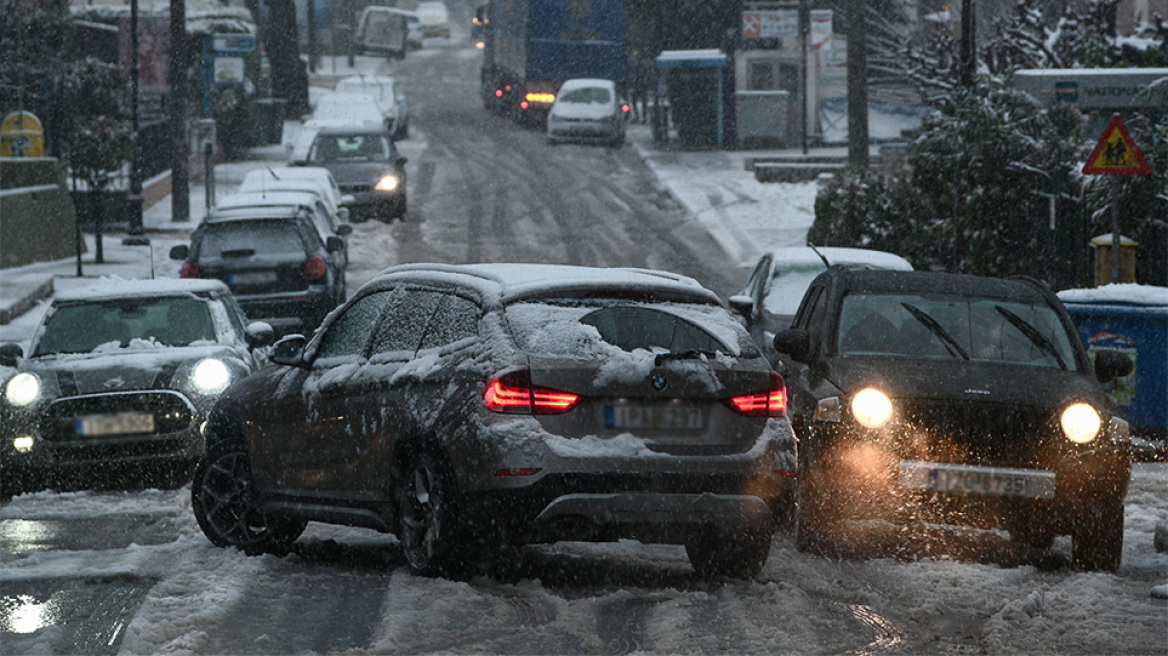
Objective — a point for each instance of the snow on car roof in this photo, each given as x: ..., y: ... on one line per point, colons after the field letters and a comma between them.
x: 586, y: 82
x: 1118, y: 294
x: 509, y: 282
x: 112, y: 287
x: 804, y: 255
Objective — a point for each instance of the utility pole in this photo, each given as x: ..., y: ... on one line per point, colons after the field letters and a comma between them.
x: 180, y: 173
x: 137, y: 233
x: 857, y: 84
x: 968, y: 44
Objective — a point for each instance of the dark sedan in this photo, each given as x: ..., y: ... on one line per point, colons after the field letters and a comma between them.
x: 117, y: 384
x: 931, y: 398
x: 366, y: 164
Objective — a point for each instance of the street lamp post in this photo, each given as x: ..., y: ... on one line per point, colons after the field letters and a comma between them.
x: 136, y: 233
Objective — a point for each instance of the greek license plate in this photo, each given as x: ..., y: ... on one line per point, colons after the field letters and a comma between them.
x: 252, y: 278
x: 633, y: 416
x: 127, y: 424
x: 968, y: 479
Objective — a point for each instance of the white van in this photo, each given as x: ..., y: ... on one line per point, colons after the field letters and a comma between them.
x: 382, y: 31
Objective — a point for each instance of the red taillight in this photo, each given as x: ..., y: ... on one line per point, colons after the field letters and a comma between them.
x: 314, y: 268
x: 525, y: 471
x: 523, y: 104
x: 512, y: 392
x: 498, y: 93
x: 625, y: 108
x: 189, y: 270
x: 771, y: 403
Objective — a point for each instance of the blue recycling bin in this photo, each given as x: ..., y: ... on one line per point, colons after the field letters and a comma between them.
x: 1132, y: 319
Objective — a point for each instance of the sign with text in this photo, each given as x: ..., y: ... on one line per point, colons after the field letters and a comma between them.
x: 233, y: 43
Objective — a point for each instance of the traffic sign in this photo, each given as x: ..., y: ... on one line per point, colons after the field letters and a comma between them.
x: 21, y: 135
x: 1116, y: 153
x: 237, y: 43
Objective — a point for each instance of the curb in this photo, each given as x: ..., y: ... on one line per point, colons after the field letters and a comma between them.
x: 40, y: 292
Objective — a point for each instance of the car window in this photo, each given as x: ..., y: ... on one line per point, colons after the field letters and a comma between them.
x: 234, y: 312
x: 352, y: 147
x: 408, y: 313
x: 787, y: 288
x: 950, y: 326
x: 587, y: 95
x: 245, y: 238
x: 455, y: 318
x: 167, y: 321
x: 349, y: 333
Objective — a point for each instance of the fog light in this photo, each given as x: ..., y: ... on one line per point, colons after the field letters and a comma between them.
x: 23, y: 444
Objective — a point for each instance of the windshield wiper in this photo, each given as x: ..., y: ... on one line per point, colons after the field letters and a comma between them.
x: 935, y: 327
x: 1031, y: 333
x: 694, y: 354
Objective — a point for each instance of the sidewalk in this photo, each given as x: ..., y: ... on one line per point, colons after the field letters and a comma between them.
x: 744, y: 216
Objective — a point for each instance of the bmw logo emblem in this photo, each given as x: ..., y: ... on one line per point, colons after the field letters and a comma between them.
x: 658, y: 382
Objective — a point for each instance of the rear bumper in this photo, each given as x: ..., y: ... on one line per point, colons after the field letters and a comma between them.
x: 288, y: 310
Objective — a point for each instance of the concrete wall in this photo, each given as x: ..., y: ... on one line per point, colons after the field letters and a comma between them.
x: 37, y: 218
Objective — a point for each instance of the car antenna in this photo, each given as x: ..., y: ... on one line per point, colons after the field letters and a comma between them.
x: 821, y: 255
x: 273, y: 172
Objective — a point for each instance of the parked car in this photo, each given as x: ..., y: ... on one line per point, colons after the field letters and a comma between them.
x: 322, y: 211
x: 933, y: 398
x: 346, y: 108
x: 382, y: 31
x: 435, y: 18
x: 367, y: 165
x: 588, y: 109
x: 117, y: 383
x: 466, y: 407
x: 781, y: 277
x: 283, y: 263
x: 388, y: 94
x: 297, y: 178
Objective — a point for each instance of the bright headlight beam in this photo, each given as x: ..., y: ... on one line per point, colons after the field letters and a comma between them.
x: 23, y: 389
x: 1081, y: 423
x: 871, y: 408
x: 210, y: 376
x: 387, y: 183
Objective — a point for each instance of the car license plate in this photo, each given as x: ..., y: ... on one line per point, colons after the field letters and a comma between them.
x: 639, y: 416
x: 126, y: 424
x: 252, y: 278
x: 969, y: 479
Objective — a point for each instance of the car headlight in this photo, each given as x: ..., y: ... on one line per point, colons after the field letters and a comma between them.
x: 871, y: 408
x: 210, y: 376
x: 22, y: 389
x: 1081, y: 423
x: 387, y: 183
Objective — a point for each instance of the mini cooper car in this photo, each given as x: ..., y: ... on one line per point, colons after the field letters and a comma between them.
x: 284, y: 263
x: 932, y: 398
x: 470, y: 407
x: 367, y: 165
x: 118, y: 382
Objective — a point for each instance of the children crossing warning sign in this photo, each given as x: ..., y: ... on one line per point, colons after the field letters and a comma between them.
x: 1116, y: 153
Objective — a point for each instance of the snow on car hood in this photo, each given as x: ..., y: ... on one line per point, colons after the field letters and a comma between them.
x: 359, y: 172
x: 142, y: 365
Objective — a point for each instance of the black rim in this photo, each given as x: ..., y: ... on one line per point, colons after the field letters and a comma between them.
x: 421, y: 513
x: 225, y: 498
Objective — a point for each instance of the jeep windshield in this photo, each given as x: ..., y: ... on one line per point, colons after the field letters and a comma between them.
x: 953, y: 327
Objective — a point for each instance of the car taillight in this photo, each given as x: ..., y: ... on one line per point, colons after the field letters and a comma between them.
x: 625, y: 108
x: 314, y: 268
x: 190, y: 270
x: 771, y: 403
x: 512, y: 392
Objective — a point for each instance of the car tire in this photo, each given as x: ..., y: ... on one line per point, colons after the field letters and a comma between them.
x: 223, y: 503
x: 9, y: 484
x: 428, y: 516
x: 812, y: 526
x: 1097, y: 539
x: 739, y: 555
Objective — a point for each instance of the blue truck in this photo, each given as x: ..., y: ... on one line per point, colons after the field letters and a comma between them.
x: 530, y: 47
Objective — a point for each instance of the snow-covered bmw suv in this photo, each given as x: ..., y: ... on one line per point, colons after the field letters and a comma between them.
x: 469, y: 407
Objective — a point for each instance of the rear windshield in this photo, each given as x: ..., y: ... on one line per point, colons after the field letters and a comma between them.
x: 589, y: 329
x: 246, y: 238
x: 87, y: 327
x: 949, y: 326
x: 586, y: 95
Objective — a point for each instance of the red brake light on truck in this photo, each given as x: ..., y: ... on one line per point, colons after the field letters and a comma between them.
x: 512, y: 392
x: 771, y: 403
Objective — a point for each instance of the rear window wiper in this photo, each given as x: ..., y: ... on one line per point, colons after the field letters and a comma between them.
x: 693, y: 354
x: 933, y: 325
x: 1031, y: 333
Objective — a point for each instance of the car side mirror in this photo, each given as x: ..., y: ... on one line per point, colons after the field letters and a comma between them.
x: 344, y: 229
x: 10, y: 354
x: 741, y: 304
x: 402, y: 159
x: 334, y: 244
x: 289, y: 351
x: 1110, y: 365
x: 259, y: 334
x: 179, y: 252
x: 795, y: 343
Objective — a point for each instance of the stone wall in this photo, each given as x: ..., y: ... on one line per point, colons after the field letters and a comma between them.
x: 37, y: 217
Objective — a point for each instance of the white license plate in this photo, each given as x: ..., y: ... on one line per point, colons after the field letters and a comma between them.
x: 636, y: 416
x: 252, y: 278
x: 969, y: 479
x: 128, y: 424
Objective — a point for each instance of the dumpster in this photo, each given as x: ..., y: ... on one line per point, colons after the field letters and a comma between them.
x: 267, y: 126
x: 1133, y: 319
